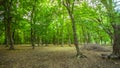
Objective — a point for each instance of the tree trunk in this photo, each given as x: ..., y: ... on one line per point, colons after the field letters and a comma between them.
x: 8, y: 22
x: 8, y: 7
x: 6, y: 37
x: 75, y: 37
x: 116, y: 45
x: 70, y: 8
x: 79, y: 54
x: 32, y: 38
x: 5, y: 24
x: 69, y: 40
x: 33, y: 23
x: 62, y: 34
x: 53, y: 40
x: 38, y: 41
x: 62, y: 41
x: 10, y: 34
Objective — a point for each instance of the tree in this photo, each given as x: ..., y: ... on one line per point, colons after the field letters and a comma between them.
x: 32, y: 24
x: 8, y: 22
x: 113, y: 16
x: 69, y: 4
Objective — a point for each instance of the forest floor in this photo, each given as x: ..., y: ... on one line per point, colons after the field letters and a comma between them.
x: 53, y: 57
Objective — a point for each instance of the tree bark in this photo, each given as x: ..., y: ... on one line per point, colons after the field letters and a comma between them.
x: 8, y: 23
x: 33, y: 23
x: 6, y: 42
x: 75, y: 36
x: 10, y: 34
x: 32, y: 38
x: 116, y: 45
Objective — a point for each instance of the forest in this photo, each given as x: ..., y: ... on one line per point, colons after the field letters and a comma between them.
x: 59, y: 33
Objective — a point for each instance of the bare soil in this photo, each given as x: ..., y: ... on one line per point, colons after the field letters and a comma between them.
x: 53, y: 57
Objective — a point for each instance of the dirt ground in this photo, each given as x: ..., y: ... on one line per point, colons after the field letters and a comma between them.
x: 53, y: 57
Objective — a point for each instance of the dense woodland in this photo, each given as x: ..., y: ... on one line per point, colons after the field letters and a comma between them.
x: 60, y: 22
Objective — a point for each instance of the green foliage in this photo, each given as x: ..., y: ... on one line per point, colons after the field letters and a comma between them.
x: 52, y: 23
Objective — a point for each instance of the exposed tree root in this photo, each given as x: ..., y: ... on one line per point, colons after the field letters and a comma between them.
x: 81, y: 56
x: 111, y: 56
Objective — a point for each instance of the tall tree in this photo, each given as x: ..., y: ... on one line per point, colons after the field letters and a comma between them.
x: 32, y: 24
x: 69, y: 4
x: 113, y: 17
x: 8, y: 22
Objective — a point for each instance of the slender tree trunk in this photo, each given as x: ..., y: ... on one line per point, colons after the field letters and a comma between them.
x: 42, y: 41
x: 62, y: 35
x: 54, y: 38
x: 13, y: 36
x: 46, y: 42
x: 79, y: 54
x: 38, y: 41
x: 62, y: 41
x: 32, y: 23
x: 70, y: 8
x: 32, y: 39
x: 75, y: 36
x: 69, y: 41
